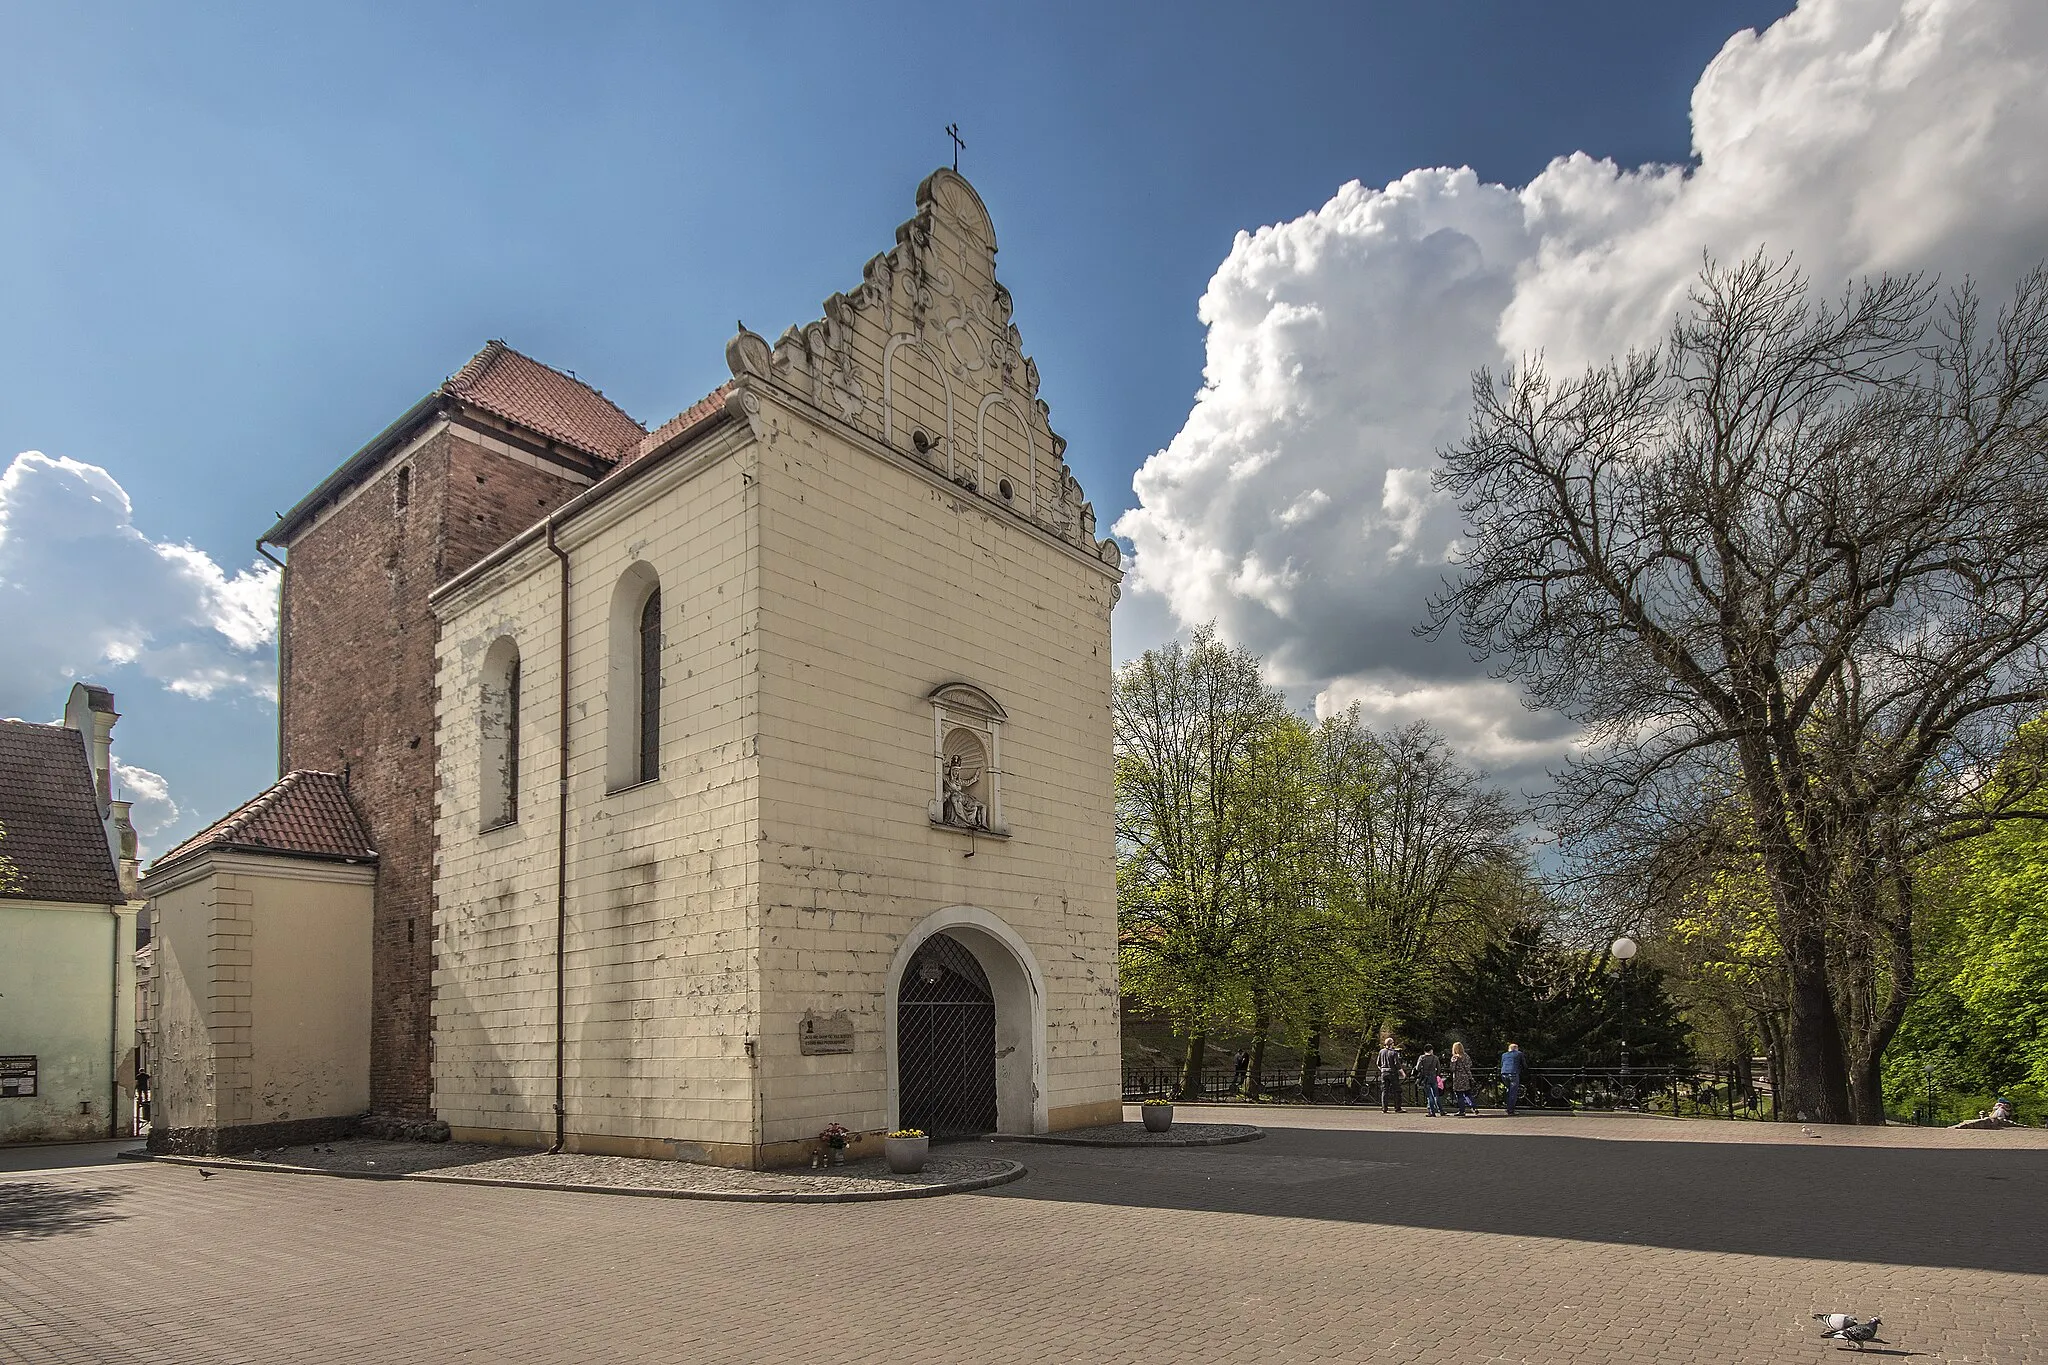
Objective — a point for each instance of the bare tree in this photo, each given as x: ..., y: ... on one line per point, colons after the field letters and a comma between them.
x: 1805, y: 543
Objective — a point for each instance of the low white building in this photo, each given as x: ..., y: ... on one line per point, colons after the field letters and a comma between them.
x: 67, y: 930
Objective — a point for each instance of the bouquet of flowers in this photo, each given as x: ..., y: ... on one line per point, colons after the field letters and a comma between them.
x: 835, y: 1136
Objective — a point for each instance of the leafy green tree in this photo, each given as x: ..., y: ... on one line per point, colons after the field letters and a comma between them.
x: 1192, y: 722
x: 1411, y: 829
x: 10, y: 875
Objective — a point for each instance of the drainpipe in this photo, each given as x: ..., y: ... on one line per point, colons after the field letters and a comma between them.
x: 561, y: 839
x: 114, y: 1030
x: 284, y: 638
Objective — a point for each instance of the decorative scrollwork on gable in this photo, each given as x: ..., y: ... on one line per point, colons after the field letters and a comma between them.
x: 926, y: 340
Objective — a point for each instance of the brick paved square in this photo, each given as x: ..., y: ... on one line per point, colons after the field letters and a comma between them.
x: 1339, y: 1237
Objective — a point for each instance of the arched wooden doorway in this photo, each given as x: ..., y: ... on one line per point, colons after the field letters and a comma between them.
x: 946, y: 1042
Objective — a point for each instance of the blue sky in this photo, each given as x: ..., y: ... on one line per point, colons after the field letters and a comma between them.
x: 236, y: 243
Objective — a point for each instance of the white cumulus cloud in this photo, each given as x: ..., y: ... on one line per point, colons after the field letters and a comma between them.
x: 152, y: 810
x: 82, y: 591
x: 1294, y: 506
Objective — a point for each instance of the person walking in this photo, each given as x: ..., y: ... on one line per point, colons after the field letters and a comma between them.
x: 1513, y: 1068
x: 1429, y: 1075
x: 1390, y: 1076
x: 1461, y: 1078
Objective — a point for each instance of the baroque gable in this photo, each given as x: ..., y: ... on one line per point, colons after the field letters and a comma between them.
x: 923, y: 357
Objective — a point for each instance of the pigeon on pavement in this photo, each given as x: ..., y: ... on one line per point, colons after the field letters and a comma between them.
x: 205, y: 1174
x: 1856, y: 1332
x: 1835, y: 1321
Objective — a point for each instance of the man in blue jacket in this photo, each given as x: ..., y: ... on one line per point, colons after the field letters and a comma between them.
x: 1513, y: 1067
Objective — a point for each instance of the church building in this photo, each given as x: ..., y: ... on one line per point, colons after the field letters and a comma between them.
x: 729, y: 780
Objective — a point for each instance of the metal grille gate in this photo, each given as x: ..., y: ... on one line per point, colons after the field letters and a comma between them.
x: 946, y: 1042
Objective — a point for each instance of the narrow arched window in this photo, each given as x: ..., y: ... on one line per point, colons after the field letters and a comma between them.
x: 498, y: 737
x: 632, y: 694
x: 650, y: 687
x: 512, y: 741
x: 404, y: 487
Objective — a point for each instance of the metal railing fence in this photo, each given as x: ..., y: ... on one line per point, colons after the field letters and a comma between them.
x: 1722, y: 1090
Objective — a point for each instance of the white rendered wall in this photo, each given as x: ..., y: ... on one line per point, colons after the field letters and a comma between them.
x: 659, y: 998
x: 878, y: 584
x: 58, y: 982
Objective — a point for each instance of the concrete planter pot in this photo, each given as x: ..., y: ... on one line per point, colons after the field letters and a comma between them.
x: 1158, y: 1117
x: 906, y: 1156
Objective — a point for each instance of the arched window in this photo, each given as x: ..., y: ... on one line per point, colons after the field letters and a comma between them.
x: 404, y: 487
x: 633, y: 684
x: 498, y: 723
x: 650, y: 687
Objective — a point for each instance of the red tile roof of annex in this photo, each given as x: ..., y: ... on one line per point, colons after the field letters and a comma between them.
x: 303, y: 814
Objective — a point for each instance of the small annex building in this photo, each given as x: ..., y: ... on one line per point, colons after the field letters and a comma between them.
x: 67, y: 929
x: 736, y: 777
x: 258, y: 987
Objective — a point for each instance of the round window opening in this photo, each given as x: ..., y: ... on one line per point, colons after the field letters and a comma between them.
x: 1004, y: 488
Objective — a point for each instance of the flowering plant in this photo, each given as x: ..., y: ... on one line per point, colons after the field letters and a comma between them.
x: 1151, y: 1102
x: 835, y: 1135
x: 907, y: 1133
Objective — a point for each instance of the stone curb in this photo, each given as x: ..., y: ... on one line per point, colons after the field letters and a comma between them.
x: 1013, y: 1170
x: 1213, y: 1140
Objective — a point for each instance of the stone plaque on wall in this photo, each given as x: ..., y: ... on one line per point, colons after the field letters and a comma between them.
x: 823, y: 1034
x: 18, y: 1077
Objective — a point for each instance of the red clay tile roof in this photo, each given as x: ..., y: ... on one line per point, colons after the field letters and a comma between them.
x: 305, y: 814
x: 51, y: 812
x: 711, y: 405
x: 519, y: 389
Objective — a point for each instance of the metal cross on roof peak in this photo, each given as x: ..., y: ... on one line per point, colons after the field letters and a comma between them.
x: 953, y: 131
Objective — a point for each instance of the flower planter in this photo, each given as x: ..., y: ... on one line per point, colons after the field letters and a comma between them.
x: 906, y: 1155
x: 1158, y: 1117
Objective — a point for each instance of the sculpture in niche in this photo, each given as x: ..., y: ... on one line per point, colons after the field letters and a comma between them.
x: 960, y: 807
x: 967, y: 770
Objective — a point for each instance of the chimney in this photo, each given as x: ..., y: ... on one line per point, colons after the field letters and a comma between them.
x: 90, y: 711
x: 126, y: 863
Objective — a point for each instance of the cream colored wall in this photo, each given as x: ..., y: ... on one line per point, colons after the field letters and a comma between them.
x: 58, y: 984
x: 260, y: 997
x: 181, y: 1002
x: 309, y: 1002
x: 878, y: 585
x: 659, y: 1000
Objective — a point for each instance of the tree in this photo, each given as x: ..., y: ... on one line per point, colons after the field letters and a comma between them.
x: 1411, y: 828
x: 1290, y: 953
x: 1804, y: 544
x: 10, y: 875
x: 1190, y: 723
x: 1563, y: 1006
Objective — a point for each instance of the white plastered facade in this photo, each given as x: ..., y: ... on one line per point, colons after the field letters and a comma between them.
x: 831, y: 554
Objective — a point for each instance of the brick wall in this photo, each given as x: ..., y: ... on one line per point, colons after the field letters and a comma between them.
x: 357, y: 692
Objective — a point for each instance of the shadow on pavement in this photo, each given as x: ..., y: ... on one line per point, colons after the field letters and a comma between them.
x: 1901, y: 1206
x: 31, y: 1210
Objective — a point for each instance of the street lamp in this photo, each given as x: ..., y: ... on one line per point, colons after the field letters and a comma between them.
x: 1624, y: 949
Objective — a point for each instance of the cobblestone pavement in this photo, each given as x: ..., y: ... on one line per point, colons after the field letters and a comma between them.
x: 1338, y: 1238
x: 455, y: 1161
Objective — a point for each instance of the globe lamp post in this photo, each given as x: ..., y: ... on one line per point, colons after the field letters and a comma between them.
x: 1624, y: 950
